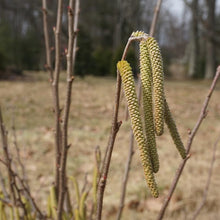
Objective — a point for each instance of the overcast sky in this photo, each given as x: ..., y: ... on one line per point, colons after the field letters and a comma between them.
x: 177, y: 6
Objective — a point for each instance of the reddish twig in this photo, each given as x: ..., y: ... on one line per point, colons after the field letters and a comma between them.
x: 128, y: 164
x: 202, y: 115
x: 126, y: 175
x: 47, y: 39
x: 23, y: 170
x: 30, y: 197
x: 15, y: 191
x: 54, y: 80
x: 152, y: 32
x: 205, y: 193
x: 114, y: 130
x: 6, y: 202
x: 131, y: 148
x: 71, y: 51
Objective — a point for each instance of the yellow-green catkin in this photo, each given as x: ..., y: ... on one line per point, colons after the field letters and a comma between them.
x: 76, y: 187
x: 146, y: 78
x: 96, y: 176
x: 158, y: 84
x: 53, y: 201
x: 138, y: 34
x: 76, y: 214
x: 132, y: 101
x: 82, y: 207
x: 173, y: 131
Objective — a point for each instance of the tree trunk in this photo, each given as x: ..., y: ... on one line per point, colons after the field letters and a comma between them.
x: 210, y: 47
x: 194, y: 43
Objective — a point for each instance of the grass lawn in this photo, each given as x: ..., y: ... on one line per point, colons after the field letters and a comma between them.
x: 28, y: 102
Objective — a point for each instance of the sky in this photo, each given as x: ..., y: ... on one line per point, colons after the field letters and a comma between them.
x: 177, y: 6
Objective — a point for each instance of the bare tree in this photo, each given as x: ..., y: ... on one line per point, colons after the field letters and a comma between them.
x: 210, y: 44
x: 194, y: 40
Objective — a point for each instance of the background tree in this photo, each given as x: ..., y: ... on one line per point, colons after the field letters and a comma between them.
x: 104, y: 27
x: 210, y: 44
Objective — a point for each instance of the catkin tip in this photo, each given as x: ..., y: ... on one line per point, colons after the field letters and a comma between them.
x: 174, y: 132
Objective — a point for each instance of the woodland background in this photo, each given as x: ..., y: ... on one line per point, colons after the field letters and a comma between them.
x: 189, y: 37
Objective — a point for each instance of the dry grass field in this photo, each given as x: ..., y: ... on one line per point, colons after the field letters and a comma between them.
x: 28, y: 102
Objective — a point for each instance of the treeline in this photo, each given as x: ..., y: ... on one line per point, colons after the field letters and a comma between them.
x: 104, y: 28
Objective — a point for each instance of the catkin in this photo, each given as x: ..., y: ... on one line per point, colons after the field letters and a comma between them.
x: 146, y: 78
x: 173, y: 131
x: 138, y: 34
x: 158, y: 84
x: 132, y: 101
x: 53, y: 201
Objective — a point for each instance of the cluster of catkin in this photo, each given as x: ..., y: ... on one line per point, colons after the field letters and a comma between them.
x: 155, y: 107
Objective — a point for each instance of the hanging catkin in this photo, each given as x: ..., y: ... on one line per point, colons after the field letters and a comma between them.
x: 146, y: 78
x: 173, y: 131
x: 132, y: 101
x: 158, y: 84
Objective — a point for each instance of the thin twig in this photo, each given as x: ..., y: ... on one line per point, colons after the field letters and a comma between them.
x: 114, y: 130
x: 202, y: 115
x: 4, y: 190
x: 25, y: 190
x: 126, y: 175
x: 155, y: 18
x: 71, y: 51
x: 24, y: 175
x: 205, y: 193
x: 12, y: 175
x: 55, y: 89
x: 54, y: 80
x: 128, y: 165
x: 152, y: 32
x: 131, y: 148
x: 30, y: 197
x: 7, y: 159
x: 47, y: 39
x: 6, y: 202
x: 14, y: 190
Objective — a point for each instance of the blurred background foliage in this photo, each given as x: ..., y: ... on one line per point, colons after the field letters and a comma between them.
x: 189, y: 35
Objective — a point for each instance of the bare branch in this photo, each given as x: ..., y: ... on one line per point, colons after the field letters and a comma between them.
x: 6, y: 201
x: 12, y: 175
x: 24, y: 175
x: 126, y: 175
x: 114, y: 130
x: 131, y: 149
x: 71, y: 51
x: 4, y: 190
x: 54, y: 80
x: 189, y: 144
x: 47, y: 40
x: 205, y: 193
x: 7, y: 159
x: 30, y: 197
x: 155, y: 18
x: 128, y: 163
